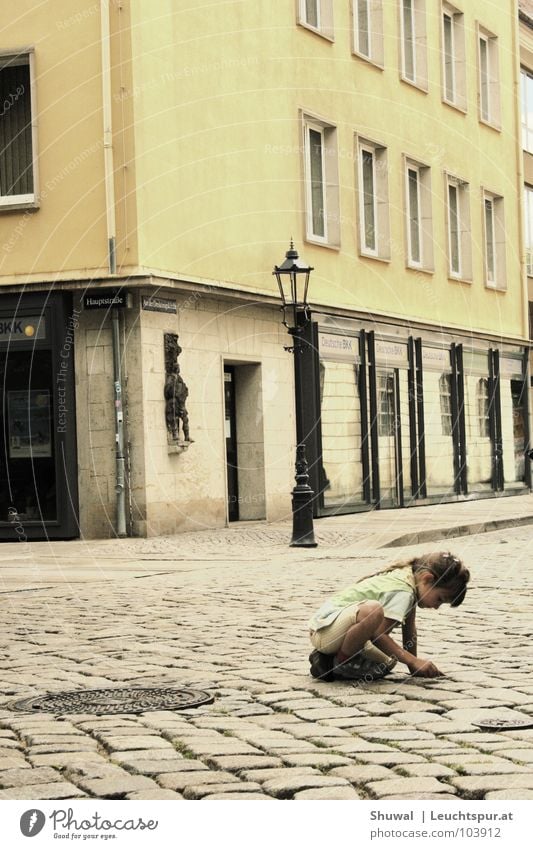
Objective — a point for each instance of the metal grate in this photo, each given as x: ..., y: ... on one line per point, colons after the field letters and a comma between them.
x: 125, y: 700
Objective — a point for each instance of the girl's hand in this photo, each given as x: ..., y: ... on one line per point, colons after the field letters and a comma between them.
x: 423, y: 668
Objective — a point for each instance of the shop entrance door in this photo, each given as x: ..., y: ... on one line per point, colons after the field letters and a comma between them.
x: 389, y: 438
x: 231, y: 443
x: 38, y: 473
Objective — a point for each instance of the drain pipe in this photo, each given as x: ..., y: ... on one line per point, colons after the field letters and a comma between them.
x: 120, y: 487
x: 108, y: 137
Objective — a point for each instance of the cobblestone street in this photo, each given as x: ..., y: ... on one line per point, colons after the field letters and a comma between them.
x: 227, y: 613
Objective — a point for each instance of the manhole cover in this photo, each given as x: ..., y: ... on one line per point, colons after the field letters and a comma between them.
x: 100, y: 702
x: 504, y: 724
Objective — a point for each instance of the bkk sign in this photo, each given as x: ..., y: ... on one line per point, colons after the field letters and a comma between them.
x: 22, y: 329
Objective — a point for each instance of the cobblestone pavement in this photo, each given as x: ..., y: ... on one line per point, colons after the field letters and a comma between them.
x: 233, y: 621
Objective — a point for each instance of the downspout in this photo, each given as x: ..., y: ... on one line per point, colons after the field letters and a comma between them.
x: 108, y: 137
x: 120, y: 464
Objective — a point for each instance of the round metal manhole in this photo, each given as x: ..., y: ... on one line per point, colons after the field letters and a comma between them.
x: 126, y: 700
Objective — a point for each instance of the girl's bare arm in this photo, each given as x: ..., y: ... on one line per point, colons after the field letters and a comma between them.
x: 409, y: 632
x: 416, y: 665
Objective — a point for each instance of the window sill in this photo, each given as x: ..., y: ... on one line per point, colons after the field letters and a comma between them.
x: 20, y: 202
x: 321, y: 33
x: 368, y: 60
x: 312, y: 240
x: 457, y: 106
x: 454, y: 278
x: 424, y: 269
x: 492, y: 125
x: 423, y: 87
x: 494, y: 287
x: 377, y: 257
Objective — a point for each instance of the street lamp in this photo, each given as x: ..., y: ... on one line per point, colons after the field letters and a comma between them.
x: 293, y: 281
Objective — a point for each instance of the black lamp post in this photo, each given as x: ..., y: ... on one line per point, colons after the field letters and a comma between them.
x: 293, y: 281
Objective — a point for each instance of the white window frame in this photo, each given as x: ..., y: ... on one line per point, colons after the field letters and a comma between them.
x: 329, y: 180
x: 488, y: 78
x: 380, y: 200
x: 464, y: 242
x: 323, y: 15
x: 28, y: 200
x: 526, y: 82
x: 374, y: 15
x: 494, y: 240
x: 528, y: 229
x: 424, y: 262
x: 457, y: 63
x: 417, y: 38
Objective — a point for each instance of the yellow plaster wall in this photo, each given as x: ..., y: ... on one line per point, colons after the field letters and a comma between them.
x: 217, y: 93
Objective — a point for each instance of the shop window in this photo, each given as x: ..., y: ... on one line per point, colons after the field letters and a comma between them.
x: 373, y: 200
x: 17, y: 147
x: 483, y: 406
x: 489, y: 86
x: 453, y: 57
x: 317, y: 15
x: 526, y: 103
x: 494, y: 233
x: 458, y: 219
x: 385, y: 405
x: 445, y: 392
x: 321, y: 182
x: 418, y: 215
x: 368, y: 30
x: 413, y: 42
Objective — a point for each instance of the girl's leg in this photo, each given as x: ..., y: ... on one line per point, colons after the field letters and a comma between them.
x: 368, y: 621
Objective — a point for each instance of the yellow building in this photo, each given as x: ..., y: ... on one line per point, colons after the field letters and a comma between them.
x: 167, y: 156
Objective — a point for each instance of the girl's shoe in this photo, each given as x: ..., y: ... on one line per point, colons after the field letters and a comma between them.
x: 321, y: 665
x: 360, y: 668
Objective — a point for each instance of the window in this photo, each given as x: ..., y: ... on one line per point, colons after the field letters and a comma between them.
x: 413, y: 42
x: 321, y: 182
x: 489, y: 90
x: 445, y: 393
x: 459, y: 244
x: 483, y: 406
x: 368, y: 30
x: 453, y: 57
x: 373, y: 200
x: 494, y: 232
x: 526, y: 98
x: 17, y: 143
x: 318, y: 15
x: 385, y: 405
x: 528, y: 227
x: 418, y: 216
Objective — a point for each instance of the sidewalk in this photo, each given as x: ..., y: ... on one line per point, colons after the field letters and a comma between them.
x: 225, y: 611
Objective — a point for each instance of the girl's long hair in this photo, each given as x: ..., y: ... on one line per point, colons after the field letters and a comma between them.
x: 449, y: 572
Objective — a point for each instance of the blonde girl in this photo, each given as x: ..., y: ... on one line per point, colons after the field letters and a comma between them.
x: 351, y: 632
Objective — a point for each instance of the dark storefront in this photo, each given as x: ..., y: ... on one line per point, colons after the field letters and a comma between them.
x: 38, y: 470
x: 394, y: 420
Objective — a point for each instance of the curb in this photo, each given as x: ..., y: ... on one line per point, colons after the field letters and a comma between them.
x: 457, y: 531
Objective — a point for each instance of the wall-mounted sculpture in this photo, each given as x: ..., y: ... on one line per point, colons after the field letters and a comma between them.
x: 176, y: 393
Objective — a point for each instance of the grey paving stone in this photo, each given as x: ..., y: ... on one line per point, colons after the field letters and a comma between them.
x: 195, y: 778
x: 285, y: 787
x: 198, y: 791
x: 241, y: 797
x: 402, y: 786
x: 21, y: 777
x: 57, y: 790
x: 475, y: 786
x: 362, y: 774
x: 321, y: 760
x: 116, y: 786
x: 331, y: 793
x: 147, y: 795
x: 236, y: 763
x: 124, y: 744
x: 509, y: 794
x: 434, y: 770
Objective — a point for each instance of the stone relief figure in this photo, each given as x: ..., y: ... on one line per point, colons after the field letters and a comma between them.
x: 176, y: 392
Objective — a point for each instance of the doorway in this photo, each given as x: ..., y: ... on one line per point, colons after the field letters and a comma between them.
x: 230, y: 423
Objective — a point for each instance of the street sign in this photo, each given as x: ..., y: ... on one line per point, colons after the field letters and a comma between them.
x: 156, y: 304
x: 101, y: 299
